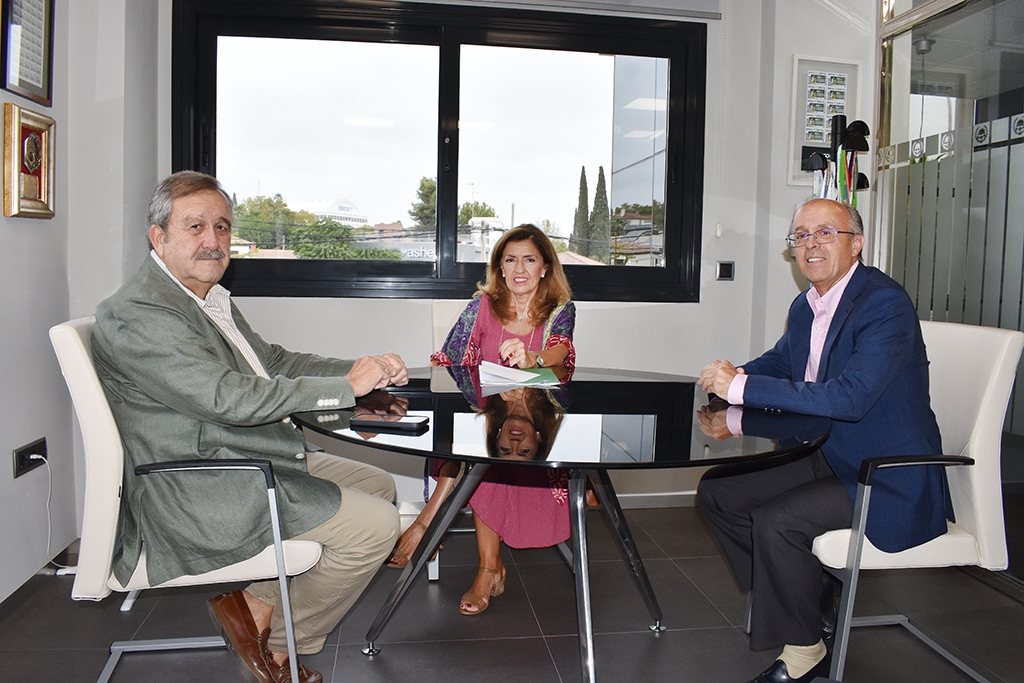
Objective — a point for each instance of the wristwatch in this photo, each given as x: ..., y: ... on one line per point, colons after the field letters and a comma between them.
x: 540, y: 361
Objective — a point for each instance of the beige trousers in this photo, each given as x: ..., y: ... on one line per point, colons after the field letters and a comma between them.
x: 356, y: 541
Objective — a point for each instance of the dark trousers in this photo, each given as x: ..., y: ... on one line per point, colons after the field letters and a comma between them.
x: 766, y: 521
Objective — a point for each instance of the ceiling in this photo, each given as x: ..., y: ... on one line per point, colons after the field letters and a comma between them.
x: 974, y: 51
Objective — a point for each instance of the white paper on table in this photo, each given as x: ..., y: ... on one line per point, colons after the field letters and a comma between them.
x: 494, y: 374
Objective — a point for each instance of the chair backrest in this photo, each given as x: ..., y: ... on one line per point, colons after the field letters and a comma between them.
x: 444, y: 313
x: 971, y: 375
x: 104, y: 458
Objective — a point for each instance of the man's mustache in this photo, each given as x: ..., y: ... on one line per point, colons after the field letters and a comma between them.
x: 209, y: 254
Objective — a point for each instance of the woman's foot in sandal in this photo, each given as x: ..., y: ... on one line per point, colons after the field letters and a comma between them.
x: 406, y: 545
x: 488, y: 584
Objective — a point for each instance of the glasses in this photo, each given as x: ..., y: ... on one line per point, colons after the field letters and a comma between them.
x: 821, y: 236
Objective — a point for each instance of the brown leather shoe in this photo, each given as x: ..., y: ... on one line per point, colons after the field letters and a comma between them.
x: 231, y: 614
x: 283, y: 673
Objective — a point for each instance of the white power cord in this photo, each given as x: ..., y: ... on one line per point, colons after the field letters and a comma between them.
x: 62, y: 570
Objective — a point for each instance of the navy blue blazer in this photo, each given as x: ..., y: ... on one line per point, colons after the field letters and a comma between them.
x: 873, y: 382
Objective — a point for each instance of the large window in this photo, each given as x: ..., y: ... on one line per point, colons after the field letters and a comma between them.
x: 383, y: 150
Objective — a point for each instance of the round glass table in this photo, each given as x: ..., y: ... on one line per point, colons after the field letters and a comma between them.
x: 598, y: 420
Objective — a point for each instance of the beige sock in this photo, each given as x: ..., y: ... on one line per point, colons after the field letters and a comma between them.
x: 800, y: 659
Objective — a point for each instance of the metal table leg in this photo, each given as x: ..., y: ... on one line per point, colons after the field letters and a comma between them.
x: 581, y: 570
x: 610, y: 504
x: 431, y: 540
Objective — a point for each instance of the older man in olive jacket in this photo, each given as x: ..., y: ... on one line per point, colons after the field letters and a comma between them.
x: 186, y: 377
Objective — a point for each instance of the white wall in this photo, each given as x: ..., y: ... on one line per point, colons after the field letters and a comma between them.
x: 34, y: 281
x: 111, y: 102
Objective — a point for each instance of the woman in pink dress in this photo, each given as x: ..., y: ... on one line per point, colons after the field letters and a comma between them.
x: 523, y: 317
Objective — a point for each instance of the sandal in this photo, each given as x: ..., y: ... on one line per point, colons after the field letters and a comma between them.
x: 404, y: 549
x: 479, y: 603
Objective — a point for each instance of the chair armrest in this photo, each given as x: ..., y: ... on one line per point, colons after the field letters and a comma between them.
x: 869, y: 466
x: 230, y: 464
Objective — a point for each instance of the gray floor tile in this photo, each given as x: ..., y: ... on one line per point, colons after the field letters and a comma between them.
x: 705, y: 655
x: 528, y: 634
x: 712, y: 578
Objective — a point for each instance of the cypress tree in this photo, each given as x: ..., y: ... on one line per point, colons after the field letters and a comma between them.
x: 579, y: 241
x: 600, y: 222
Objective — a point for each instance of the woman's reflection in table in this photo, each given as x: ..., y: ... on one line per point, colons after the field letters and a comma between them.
x: 521, y: 423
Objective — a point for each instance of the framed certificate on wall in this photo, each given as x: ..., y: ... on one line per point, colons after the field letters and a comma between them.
x: 27, y: 46
x: 28, y: 163
x: 821, y: 89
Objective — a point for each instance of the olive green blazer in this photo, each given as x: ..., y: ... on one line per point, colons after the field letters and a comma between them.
x: 179, y: 390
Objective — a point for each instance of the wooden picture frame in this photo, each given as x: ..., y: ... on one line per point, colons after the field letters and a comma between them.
x: 28, y: 163
x: 26, y: 37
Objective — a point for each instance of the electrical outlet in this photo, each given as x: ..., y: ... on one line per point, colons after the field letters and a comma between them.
x: 23, y: 463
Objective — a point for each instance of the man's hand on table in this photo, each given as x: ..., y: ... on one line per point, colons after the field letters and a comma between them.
x: 716, y: 377
x: 376, y: 372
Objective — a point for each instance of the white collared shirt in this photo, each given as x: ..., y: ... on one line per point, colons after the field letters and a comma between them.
x: 824, y: 307
x: 217, y: 307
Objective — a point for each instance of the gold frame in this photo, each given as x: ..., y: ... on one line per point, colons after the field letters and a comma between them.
x: 28, y: 163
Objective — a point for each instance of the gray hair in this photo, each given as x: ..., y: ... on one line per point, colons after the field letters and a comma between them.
x: 176, y: 186
x: 854, y: 222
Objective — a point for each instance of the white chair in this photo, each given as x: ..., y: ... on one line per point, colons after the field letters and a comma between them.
x: 971, y: 374
x: 104, y: 464
x: 443, y: 314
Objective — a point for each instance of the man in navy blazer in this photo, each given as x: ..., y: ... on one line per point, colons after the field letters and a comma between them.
x: 853, y: 352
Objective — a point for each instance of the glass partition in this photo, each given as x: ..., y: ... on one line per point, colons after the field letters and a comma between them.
x: 950, y: 185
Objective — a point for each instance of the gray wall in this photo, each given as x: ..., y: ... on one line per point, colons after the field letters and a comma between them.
x: 112, y: 109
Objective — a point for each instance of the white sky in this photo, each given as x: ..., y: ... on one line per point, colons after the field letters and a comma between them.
x: 316, y: 120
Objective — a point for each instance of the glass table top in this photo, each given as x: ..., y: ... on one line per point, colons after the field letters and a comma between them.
x: 614, y: 419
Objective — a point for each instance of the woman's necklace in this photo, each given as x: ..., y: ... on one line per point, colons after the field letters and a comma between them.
x: 521, y: 316
x: 501, y: 338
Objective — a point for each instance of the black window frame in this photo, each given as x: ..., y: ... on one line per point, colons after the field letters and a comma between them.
x: 198, y: 23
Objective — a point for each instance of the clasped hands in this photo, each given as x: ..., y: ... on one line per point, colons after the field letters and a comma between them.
x: 376, y: 372
x: 716, y: 377
x: 513, y: 352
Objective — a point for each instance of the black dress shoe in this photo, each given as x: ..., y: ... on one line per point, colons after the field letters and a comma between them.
x: 778, y: 673
x: 830, y: 592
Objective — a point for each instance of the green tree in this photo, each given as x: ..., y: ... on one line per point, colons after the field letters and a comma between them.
x: 329, y: 239
x: 268, y: 222
x: 655, y: 211
x: 424, y: 209
x: 375, y: 254
x: 600, y: 221
x: 580, y: 237
x: 325, y: 239
x: 658, y: 216
x: 474, y: 210
x: 555, y: 235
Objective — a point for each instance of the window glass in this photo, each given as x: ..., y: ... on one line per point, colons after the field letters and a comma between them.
x: 533, y: 125
x: 591, y: 130
x: 380, y: 152
x: 343, y: 167
x: 638, y: 172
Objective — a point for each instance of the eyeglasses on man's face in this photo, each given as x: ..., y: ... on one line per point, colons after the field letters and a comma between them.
x: 821, y: 236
